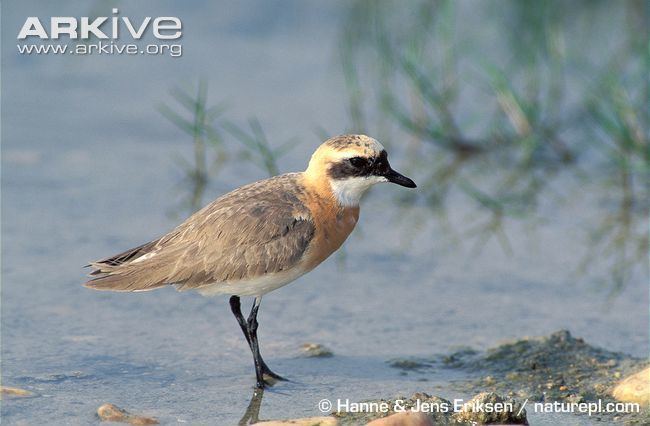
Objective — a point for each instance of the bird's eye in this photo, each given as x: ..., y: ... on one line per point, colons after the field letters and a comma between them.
x: 358, y: 161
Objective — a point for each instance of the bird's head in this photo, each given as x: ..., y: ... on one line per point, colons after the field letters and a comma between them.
x: 351, y: 164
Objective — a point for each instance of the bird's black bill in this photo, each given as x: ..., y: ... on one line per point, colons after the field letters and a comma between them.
x: 399, y: 179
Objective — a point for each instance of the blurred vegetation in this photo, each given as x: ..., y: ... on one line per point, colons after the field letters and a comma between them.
x: 197, y: 119
x: 213, y: 137
x: 496, y: 110
x: 257, y: 149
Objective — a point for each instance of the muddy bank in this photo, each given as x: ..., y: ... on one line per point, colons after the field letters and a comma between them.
x: 558, y: 367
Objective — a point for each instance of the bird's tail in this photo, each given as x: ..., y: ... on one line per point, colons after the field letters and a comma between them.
x: 137, y: 269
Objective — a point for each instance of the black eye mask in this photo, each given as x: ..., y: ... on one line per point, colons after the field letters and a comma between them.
x: 360, y: 167
x: 364, y: 167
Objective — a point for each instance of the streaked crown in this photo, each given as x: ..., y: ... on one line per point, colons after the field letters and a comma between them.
x: 336, y: 149
x: 360, y: 145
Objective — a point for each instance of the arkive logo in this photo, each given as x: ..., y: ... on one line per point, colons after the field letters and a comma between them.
x: 104, y: 35
x: 162, y: 27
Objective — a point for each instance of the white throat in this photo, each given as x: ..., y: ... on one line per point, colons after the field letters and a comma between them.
x: 348, y: 192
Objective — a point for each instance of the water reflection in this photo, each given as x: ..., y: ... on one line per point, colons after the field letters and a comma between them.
x: 252, y: 413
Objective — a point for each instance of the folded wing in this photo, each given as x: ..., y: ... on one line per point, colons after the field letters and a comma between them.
x: 258, y: 229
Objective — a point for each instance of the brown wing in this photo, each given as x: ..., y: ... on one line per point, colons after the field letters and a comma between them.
x: 259, y: 228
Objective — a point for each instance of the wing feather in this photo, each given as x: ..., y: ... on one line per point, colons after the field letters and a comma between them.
x: 260, y: 228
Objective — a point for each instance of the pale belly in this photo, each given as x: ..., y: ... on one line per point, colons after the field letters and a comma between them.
x: 258, y: 286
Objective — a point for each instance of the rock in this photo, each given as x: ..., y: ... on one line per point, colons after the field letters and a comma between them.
x: 308, y: 421
x: 403, y: 419
x: 315, y: 350
x: 504, y: 411
x: 113, y: 413
x: 635, y: 388
x: 9, y: 391
x: 407, y: 364
x: 575, y: 398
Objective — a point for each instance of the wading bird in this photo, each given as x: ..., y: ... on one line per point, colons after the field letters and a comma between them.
x: 259, y: 237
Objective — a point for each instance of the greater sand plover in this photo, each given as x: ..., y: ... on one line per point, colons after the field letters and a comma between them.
x: 259, y: 237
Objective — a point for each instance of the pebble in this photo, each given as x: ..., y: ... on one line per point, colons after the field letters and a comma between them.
x: 406, y: 364
x: 309, y: 421
x: 112, y: 413
x: 403, y: 419
x: 315, y: 350
x: 635, y: 388
x: 9, y: 391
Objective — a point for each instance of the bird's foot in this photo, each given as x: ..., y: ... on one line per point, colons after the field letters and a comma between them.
x: 273, y: 376
x: 265, y: 383
x: 266, y: 371
x: 269, y: 379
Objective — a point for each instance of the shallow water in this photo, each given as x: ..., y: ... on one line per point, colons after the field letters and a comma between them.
x: 87, y: 171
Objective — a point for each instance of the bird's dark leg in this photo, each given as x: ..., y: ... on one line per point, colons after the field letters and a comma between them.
x: 235, y: 307
x: 249, y: 328
x: 252, y: 332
